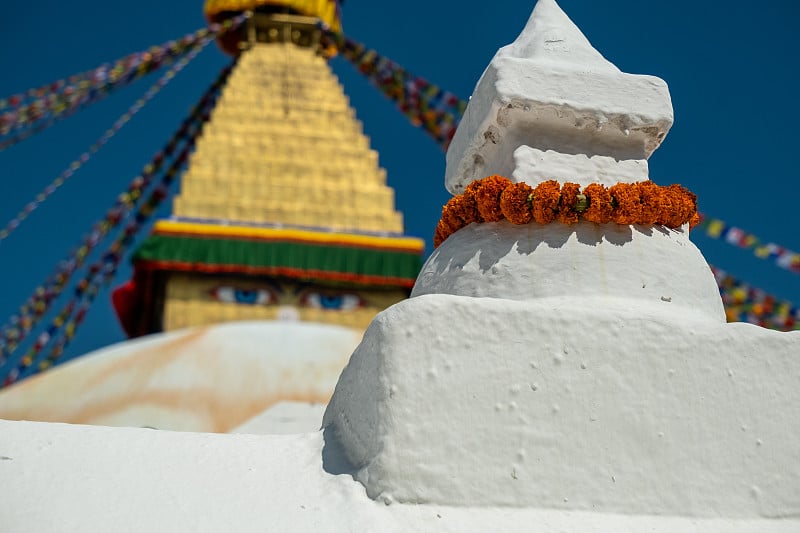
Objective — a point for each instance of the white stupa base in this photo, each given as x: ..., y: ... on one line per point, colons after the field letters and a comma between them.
x: 88, y: 479
x: 648, y: 265
x: 207, y: 378
x: 575, y: 404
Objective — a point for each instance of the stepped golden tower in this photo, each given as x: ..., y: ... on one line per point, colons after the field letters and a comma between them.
x: 284, y: 212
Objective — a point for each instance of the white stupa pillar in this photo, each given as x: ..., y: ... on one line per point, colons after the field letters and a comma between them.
x: 550, y: 107
x: 583, y: 367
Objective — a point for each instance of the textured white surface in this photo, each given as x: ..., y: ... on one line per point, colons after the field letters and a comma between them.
x: 606, y: 405
x: 551, y: 90
x: 79, y: 479
x: 583, y: 367
x: 533, y: 166
x: 285, y: 418
x: 650, y: 265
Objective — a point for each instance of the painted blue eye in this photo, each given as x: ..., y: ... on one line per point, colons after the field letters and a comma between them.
x: 332, y: 302
x: 243, y: 296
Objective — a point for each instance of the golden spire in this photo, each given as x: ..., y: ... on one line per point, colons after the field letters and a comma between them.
x: 283, y: 146
x: 283, y: 212
x: 324, y: 11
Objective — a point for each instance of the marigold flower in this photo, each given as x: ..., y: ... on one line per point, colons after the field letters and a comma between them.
x: 650, y: 195
x: 678, y: 206
x: 460, y: 211
x: 627, y: 205
x: 600, y: 208
x: 451, y: 221
x: 514, y: 203
x: 440, y: 235
x: 567, y: 209
x: 546, y: 197
x: 487, y: 196
x: 470, y: 199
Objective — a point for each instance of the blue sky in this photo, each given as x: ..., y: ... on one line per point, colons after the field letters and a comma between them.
x: 731, y: 68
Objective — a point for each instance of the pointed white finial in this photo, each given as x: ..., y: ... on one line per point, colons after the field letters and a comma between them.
x: 550, y: 36
x: 550, y: 106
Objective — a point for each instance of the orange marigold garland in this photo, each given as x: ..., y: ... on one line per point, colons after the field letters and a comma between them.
x: 650, y: 196
x: 627, y: 203
x: 487, y: 195
x: 495, y: 198
x: 678, y: 206
x: 600, y: 204
x: 568, y: 207
x: 451, y: 222
x: 515, y: 203
x: 460, y: 211
x: 688, y: 204
x: 546, y: 197
x: 468, y: 210
x: 440, y: 235
x: 470, y: 201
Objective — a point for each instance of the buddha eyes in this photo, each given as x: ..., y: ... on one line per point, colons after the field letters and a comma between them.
x: 331, y: 301
x: 244, y: 296
x: 326, y: 300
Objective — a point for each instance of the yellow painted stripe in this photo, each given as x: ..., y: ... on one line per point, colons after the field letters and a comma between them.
x: 215, y: 230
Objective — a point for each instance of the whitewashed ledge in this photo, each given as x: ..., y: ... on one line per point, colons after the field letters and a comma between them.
x: 83, y: 479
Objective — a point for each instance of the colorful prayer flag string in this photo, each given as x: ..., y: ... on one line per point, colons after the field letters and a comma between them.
x: 426, y: 105
x: 101, y: 272
x: 717, y: 229
x: 744, y: 303
x: 118, y: 124
x: 64, y: 98
x: 42, y: 113
x: 35, y: 307
x: 439, y: 113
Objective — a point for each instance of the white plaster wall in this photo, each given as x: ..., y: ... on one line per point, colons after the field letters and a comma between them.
x: 649, y: 265
x: 599, y: 405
